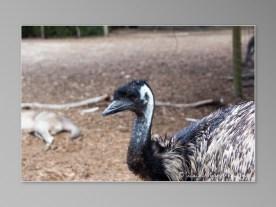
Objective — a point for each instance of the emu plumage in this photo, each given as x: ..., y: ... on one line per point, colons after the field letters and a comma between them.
x: 219, y: 147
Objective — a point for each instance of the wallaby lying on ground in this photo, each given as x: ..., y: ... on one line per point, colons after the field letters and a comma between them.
x: 46, y: 124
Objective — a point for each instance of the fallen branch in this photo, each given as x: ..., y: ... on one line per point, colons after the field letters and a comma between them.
x: 105, y: 97
x: 190, y: 105
x: 65, y: 106
x: 91, y: 110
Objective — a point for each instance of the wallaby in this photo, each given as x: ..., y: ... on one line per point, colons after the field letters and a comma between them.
x: 47, y: 124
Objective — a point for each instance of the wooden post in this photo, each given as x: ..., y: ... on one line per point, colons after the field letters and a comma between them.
x: 105, y: 30
x: 237, y: 61
x: 42, y: 32
x: 78, y: 31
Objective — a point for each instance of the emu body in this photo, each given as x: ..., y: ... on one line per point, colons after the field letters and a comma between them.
x: 219, y: 147
x: 250, y: 50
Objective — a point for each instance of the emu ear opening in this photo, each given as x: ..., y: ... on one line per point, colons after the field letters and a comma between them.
x: 117, y: 106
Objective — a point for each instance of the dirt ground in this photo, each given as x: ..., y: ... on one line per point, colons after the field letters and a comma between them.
x: 181, y: 67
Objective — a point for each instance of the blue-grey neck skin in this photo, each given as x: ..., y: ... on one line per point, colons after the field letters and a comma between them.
x: 141, y: 131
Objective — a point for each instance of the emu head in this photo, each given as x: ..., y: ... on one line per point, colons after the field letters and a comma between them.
x: 135, y: 96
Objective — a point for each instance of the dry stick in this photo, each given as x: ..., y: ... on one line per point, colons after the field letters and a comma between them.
x: 168, y: 104
x: 67, y: 105
x: 91, y: 110
x: 189, y: 105
x: 104, y: 97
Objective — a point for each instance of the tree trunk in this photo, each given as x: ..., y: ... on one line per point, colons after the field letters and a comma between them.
x: 78, y: 31
x: 42, y: 32
x: 105, y: 30
x: 237, y: 61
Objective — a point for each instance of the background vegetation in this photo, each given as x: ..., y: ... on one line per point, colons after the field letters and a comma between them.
x: 61, y: 31
x: 85, y: 31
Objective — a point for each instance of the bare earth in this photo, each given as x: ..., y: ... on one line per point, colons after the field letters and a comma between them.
x: 181, y: 67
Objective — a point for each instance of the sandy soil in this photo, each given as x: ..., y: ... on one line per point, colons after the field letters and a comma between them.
x: 181, y: 67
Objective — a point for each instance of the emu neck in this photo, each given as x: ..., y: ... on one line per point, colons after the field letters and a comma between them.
x: 140, y: 139
x: 140, y: 133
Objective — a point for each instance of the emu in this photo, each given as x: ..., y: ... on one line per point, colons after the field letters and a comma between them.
x: 219, y: 147
x: 250, y: 50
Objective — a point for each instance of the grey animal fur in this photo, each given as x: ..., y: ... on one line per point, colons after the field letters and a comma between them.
x: 46, y: 124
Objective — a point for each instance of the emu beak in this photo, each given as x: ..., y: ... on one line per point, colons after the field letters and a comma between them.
x: 117, y: 106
